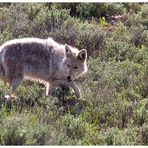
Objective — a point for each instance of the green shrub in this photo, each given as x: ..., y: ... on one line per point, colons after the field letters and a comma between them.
x: 89, y: 10
x: 115, y: 136
x: 23, y: 130
x: 41, y: 21
x: 139, y: 35
x: 108, y: 88
x: 143, y: 136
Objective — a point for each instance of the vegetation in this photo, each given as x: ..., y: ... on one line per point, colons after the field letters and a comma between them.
x: 113, y: 109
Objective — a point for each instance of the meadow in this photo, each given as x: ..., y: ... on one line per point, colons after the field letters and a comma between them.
x: 113, y: 108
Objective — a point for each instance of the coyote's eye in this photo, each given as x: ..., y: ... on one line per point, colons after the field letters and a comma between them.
x: 75, y: 67
x: 68, y: 65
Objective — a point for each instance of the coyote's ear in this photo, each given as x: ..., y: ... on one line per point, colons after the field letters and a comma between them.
x: 68, y: 51
x: 82, y: 55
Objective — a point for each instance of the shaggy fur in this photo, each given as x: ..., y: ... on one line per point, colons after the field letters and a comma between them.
x: 41, y: 59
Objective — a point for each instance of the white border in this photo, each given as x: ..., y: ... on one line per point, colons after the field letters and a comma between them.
x: 70, y: 1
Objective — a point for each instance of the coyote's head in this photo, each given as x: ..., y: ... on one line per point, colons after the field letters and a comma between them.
x: 74, y: 65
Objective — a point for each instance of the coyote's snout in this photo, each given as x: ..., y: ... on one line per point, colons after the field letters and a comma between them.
x: 41, y: 60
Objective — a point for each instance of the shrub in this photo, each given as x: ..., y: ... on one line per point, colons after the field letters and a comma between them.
x: 22, y: 131
x: 139, y: 35
x: 143, y: 136
x: 107, y: 87
x: 42, y: 21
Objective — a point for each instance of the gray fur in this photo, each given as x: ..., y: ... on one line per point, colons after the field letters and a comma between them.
x: 41, y: 60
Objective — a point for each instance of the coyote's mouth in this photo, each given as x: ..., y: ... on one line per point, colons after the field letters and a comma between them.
x: 69, y: 78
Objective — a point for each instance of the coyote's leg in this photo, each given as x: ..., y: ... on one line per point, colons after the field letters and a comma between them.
x: 5, y: 83
x: 72, y: 84
x: 48, y: 89
x: 76, y: 89
x: 15, y: 82
x: 13, y: 73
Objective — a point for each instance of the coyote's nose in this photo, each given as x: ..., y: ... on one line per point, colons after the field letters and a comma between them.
x: 69, y: 78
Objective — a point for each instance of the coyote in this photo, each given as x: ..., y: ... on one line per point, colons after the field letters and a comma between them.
x: 42, y: 60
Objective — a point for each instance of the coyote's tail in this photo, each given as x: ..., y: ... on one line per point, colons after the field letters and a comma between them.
x: 2, y: 72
